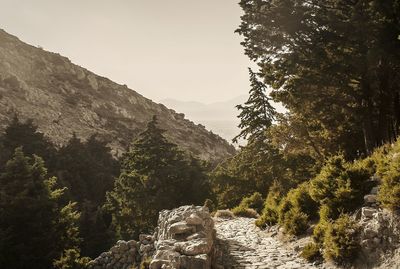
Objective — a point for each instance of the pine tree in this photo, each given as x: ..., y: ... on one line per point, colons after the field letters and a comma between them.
x: 27, y: 136
x: 155, y: 175
x: 36, y: 227
x: 334, y: 65
x: 88, y: 169
x: 257, y: 114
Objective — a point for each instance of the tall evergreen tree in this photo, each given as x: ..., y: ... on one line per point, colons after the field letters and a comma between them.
x: 155, y: 175
x: 257, y: 114
x: 88, y: 169
x: 334, y: 65
x: 36, y: 228
x: 26, y: 135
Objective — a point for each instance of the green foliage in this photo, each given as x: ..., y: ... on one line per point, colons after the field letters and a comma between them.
x: 26, y: 135
x: 257, y: 113
x: 319, y: 232
x: 311, y: 252
x: 269, y: 214
x: 71, y: 259
x: 340, y: 185
x: 255, y: 201
x: 341, y: 241
x: 36, y: 225
x: 241, y: 211
x: 297, y: 209
x: 155, y: 175
x: 253, y: 169
x: 294, y: 221
x: 331, y: 65
x: 389, y: 192
x: 88, y: 169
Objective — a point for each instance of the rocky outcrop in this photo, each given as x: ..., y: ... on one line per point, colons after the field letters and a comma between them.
x: 380, y: 234
x: 63, y: 98
x: 184, y: 239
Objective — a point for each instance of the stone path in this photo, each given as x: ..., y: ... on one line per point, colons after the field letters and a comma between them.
x: 243, y: 245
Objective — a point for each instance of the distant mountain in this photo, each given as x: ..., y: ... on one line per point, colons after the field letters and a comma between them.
x: 63, y: 98
x: 219, y: 117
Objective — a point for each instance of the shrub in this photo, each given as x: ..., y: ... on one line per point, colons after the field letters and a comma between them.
x: 296, y: 209
x: 389, y: 191
x: 319, y: 232
x: 268, y: 217
x: 224, y: 214
x: 270, y: 212
x: 311, y: 252
x: 241, y: 211
x: 341, y: 240
x: 300, y: 198
x: 341, y: 185
x: 255, y: 202
x: 295, y: 222
x: 71, y: 259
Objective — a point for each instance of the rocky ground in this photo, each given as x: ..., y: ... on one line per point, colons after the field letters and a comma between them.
x: 243, y: 245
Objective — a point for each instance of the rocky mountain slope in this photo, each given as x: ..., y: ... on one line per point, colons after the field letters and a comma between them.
x: 63, y: 98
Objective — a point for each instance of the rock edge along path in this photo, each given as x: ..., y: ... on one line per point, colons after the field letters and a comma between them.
x: 241, y: 244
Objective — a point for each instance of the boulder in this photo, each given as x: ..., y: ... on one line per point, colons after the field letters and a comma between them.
x: 184, y: 239
x: 368, y: 212
x: 181, y: 228
x: 370, y: 199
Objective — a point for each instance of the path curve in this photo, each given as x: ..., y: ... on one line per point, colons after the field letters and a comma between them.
x: 241, y: 244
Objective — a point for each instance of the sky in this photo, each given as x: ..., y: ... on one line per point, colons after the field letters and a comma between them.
x: 181, y: 49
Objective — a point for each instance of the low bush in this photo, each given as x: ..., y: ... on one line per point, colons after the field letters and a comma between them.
x: 319, y: 232
x: 269, y: 217
x: 296, y: 210
x: 341, y: 240
x: 389, y: 169
x: 224, y: 214
x: 71, y: 259
x: 255, y: 202
x: 295, y: 222
x: 269, y: 214
x: 241, y: 211
x: 341, y: 185
x: 311, y: 252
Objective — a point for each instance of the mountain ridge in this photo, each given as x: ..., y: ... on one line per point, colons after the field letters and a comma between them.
x: 220, y: 117
x: 63, y: 98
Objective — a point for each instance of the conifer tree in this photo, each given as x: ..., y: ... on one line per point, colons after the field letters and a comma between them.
x: 334, y: 65
x: 257, y: 114
x: 36, y: 227
x: 88, y: 169
x: 26, y: 135
x: 155, y: 175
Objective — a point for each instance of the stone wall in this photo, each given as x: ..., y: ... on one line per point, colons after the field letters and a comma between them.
x: 122, y: 256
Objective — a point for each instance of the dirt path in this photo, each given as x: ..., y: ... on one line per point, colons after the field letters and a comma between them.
x: 243, y: 245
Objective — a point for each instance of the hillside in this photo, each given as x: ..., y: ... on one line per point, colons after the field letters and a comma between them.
x: 63, y: 98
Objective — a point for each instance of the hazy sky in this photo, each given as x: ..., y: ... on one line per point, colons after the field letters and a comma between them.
x: 182, y: 49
